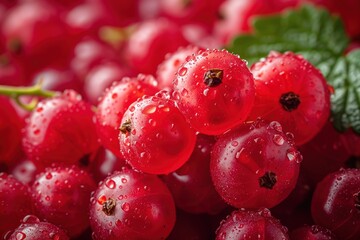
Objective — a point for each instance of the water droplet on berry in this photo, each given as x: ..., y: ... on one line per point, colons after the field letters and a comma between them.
x: 123, y: 180
x: 54, y: 236
x: 127, y: 142
x: 36, y: 131
x: 118, y: 222
x: 205, y: 92
x: 265, y: 212
x: 237, y: 155
x: 184, y: 92
x: 278, y: 139
x: 149, y: 109
x: 20, y: 236
x: 152, y: 122
x: 114, y: 95
x: 110, y: 184
x: 39, y: 109
x: 47, y: 198
x: 125, y: 206
x: 48, y: 175
x: 101, y: 199
x: 30, y: 219
x: 276, y: 126
x: 294, y: 155
x: 182, y: 71
x: 234, y: 143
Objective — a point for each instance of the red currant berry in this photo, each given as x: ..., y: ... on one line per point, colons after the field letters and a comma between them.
x: 255, y: 165
x: 191, y: 185
x: 313, y: 232
x: 292, y: 91
x: 236, y: 16
x: 214, y: 90
x: 336, y: 203
x: 155, y: 137
x: 15, y: 203
x: 10, y: 132
x: 32, y: 228
x: 32, y: 30
x: 115, y: 102
x: 167, y: 70
x: 132, y: 205
x: 60, y: 130
x: 150, y: 42
x: 61, y: 194
x: 247, y: 224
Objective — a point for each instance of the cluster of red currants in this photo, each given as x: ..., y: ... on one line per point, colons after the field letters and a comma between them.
x: 142, y: 128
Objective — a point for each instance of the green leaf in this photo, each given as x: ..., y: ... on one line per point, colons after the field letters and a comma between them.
x: 321, y: 39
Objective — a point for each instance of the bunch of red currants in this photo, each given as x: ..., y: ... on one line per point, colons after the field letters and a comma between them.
x: 129, y: 120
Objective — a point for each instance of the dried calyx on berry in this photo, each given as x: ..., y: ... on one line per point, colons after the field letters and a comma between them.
x: 213, y: 77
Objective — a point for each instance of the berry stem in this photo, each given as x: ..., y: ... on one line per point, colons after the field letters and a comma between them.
x: 17, y: 92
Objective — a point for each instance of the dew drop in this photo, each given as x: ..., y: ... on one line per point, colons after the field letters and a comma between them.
x: 132, y: 108
x: 110, y: 184
x: 125, y: 206
x: 276, y: 126
x: 54, y: 236
x: 278, y: 139
x: 205, y: 92
x: 48, y: 175
x: 101, y: 199
x: 234, y: 143
x: 149, y: 109
x: 30, y: 219
x: 123, y: 180
x: 114, y: 95
x: 184, y: 92
x: 47, y: 198
x: 127, y: 142
x: 36, y: 131
x: 182, y: 71
x: 20, y: 236
x: 118, y: 222
x: 294, y: 155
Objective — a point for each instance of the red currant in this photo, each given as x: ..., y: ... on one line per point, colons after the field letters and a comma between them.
x: 293, y: 92
x: 249, y: 224
x: 155, y: 137
x: 31, y: 228
x: 61, y: 194
x: 255, y: 165
x: 61, y: 129
x: 132, y: 205
x: 214, y: 90
x: 336, y: 203
x: 115, y: 102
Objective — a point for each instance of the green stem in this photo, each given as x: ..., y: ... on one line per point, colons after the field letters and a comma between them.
x: 35, y: 91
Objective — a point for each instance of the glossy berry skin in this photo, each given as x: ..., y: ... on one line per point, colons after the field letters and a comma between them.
x: 167, y: 70
x: 60, y: 130
x: 15, y: 202
x: 292, y: 91
x: 132, y: 205
x: 323, y: 154
x: 154, y: 136
x: 31, y: 30
x: 31, y: 228
x: 191, y: 185
x: 237, y: 16
x: 313, y: 232
x: 61, y: 194
x: 251, y: 224
x: 335, y: 203
x: 10, y: 131
x: 255, y: 165
x: 150, y: 42
x: 214, y: 90
x: 115, y: 102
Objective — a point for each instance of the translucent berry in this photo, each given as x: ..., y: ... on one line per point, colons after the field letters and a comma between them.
x: 191, y: 185
x: 115, y: 102
x: 31, y: 228
x: 60, y: 130
x: 292, y: 91
x: 15, y: 203
x: 255, y: 165
x: 132, y: 205
x: 214, y: 90
x: 250, y: 224
x: 336, y: 203
x: 61, y: 196
x: 155, y: 137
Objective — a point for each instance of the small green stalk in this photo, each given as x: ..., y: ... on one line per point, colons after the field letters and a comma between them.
x: 35, y: 91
